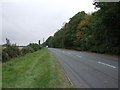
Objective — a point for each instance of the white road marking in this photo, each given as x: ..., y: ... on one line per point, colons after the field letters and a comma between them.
x: 63, y: 51
x: 69, y: 53
x: 107, y: 64
x: 68, y: 78
x: 79, y: 56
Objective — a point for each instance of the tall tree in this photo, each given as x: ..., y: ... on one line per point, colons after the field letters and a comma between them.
x: 71, y: 29
x: 39, y: 42
x: 7, y: 42
x: 98, y: 32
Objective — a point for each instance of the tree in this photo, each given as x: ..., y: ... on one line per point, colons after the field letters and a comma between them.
x: 98, y: 32
x: 7, y: 42
x: 81, y: 33
x: 71, y: 29
x: 34, y: 46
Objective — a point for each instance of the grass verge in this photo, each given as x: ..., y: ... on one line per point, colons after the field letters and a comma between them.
x: 34, y: 70
x: 0, y: 74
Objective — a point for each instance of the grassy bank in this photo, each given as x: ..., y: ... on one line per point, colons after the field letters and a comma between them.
x: 0, y: 74
x: 34, y: 70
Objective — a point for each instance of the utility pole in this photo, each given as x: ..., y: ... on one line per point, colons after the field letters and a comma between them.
x: 43, y: 43
x: 43, y: 40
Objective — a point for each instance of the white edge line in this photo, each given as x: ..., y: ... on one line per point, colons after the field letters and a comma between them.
x: 107, y: 64
x: 68, y: 78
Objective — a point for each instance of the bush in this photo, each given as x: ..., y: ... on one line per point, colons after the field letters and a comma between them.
x: 35, y: 46
x: 26, y: 50
x: 10, y: 52
x: 115, y: 50
x: 5, y: 56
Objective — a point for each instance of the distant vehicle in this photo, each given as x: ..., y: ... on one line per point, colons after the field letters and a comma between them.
x: 46, y: 46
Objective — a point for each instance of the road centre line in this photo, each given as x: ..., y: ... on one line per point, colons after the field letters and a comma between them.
x: 79, y: 56
x: 63, y: 51
x: 69, y: 53
x: 107, y: 64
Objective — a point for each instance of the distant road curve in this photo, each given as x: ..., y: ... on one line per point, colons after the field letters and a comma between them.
x: 88, y: 70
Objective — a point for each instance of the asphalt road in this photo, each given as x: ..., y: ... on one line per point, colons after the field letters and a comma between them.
x: 87, y: 70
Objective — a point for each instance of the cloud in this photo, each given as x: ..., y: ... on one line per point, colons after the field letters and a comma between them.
x: 24, y: 22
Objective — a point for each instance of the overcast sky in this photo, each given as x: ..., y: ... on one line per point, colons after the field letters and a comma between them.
x: 25, y: 22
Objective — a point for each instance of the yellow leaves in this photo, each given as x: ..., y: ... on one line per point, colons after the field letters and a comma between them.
x: 81, y: 28
x: 84, y: 22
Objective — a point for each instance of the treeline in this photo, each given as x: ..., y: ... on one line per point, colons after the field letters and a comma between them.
x: 11, y: 50
x: 97, y: 32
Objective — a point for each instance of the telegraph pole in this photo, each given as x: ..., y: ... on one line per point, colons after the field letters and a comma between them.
x: 43, y: 43
x: 43, y: 40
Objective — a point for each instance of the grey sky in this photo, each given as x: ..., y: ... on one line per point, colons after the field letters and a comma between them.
x: 25, y: 22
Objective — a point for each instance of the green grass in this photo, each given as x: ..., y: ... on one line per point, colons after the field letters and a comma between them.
x: 34, y: 70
